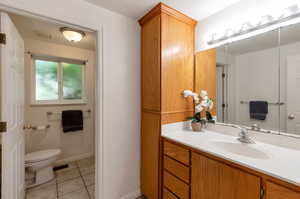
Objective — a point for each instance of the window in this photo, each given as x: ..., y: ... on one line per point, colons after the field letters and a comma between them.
x: 57, y: 81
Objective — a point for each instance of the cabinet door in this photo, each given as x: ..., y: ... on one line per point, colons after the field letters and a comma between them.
x: 274, y: 191
x: 150, y: 155
x: 151, y: 65
x: 214, y: 180
x: 177, y: 63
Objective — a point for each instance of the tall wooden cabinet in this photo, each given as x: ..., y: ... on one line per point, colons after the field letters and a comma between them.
x: 167, y: 69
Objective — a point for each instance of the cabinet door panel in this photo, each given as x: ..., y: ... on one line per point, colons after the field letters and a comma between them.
x: 178, y: 187
x: 168, y: 195
x: 205, y: 178
x: 151, y: 65
x: 176, y: 152
x: 274, y: 191
x: 150, y: 155
x: 236, y: 184
x: 214, y: 180
x: 177, y: 63
x: 177, y: 169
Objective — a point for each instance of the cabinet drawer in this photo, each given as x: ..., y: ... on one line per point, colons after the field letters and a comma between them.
x: 176, y: 186
x: 177, y: 152
x: 168, y: 195
x: 274, y: 191
x: 177, y: 169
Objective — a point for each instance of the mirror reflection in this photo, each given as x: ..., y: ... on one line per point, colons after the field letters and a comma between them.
x: 290, y: 79
x: 258, y: 81
x: 248, y: 82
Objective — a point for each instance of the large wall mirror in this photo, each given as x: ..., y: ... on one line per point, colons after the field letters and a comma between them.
x: 258, y: 81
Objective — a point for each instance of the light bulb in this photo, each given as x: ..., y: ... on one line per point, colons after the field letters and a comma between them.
x: 287, y: 12
x: 246, y: 26
x: 265, y: 20
x: 229, y: 32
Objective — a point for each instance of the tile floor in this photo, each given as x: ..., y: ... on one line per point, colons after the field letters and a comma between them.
x: 75, y: 182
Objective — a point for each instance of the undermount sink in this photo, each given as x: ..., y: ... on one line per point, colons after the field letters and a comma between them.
x: 241, y: 149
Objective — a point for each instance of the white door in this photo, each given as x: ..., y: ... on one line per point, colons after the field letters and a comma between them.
x: 12, y: 110
x: 293, y: 94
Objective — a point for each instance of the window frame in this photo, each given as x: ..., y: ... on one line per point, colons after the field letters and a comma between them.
x: 60, y: 100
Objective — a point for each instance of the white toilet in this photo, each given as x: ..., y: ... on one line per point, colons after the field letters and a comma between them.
x: 40, y: 163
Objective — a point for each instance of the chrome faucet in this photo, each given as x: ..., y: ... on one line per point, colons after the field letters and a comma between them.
x: 243, y: 135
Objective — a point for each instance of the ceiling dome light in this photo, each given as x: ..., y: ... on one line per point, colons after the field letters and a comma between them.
x: 72, y: 35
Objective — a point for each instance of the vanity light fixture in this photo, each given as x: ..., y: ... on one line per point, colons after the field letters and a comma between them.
x: 263, y: 24
x: 71, y: 34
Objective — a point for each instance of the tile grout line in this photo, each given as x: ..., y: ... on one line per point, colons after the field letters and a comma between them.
x: 57, y: 183
x: 85, y: 186
x: 57, y: 195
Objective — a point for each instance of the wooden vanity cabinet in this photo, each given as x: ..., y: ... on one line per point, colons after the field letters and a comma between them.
x: 168, y: 39
x: 176, y: 171
x: 214, y: 180
x: 275, y: 191
x: 192, y: 174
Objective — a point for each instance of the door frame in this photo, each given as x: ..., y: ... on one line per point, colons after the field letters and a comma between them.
x: 99, y: 88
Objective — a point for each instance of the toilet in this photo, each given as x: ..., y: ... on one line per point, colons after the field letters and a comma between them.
x: 41, y: 164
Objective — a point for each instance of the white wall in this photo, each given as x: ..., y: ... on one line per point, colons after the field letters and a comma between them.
x: 121, y: 87
x: 237, y: 14
x: 37, y: 114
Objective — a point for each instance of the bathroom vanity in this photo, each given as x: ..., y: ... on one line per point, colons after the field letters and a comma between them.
x: 215, y: 165
x: 253, y: 82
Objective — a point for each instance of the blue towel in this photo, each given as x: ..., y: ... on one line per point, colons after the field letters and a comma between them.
x: 258, y: 110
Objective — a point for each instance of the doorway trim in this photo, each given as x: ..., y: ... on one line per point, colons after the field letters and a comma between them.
x: 99, y: 88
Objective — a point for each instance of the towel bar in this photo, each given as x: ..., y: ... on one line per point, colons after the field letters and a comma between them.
x: 51, y: 113
x: 271, y: 103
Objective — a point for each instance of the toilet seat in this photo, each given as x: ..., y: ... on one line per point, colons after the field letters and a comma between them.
x: 41, y: 155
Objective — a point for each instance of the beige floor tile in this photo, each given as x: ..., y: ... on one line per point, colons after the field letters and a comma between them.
x: 67, y: 175
x: 47, y: 184
x: 70, y: 186
x: 87, y: 162
x: 91, y: 190
x: 49, y: 192
x: 89, y: 179
x: 80, y: 194
x: 87, y: 170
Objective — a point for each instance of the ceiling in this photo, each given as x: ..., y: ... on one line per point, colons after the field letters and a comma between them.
x: 37, y: 29
x: 197, y: 9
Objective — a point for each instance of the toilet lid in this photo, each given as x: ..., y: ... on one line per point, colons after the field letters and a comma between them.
x: 41, y: 155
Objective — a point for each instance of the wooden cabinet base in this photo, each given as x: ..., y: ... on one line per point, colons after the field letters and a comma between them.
x: 178, y: 187
x: 274, y: 191
x: 214, y: 180
x: 211, y: 177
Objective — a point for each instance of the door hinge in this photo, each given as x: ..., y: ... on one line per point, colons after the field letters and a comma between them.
x: 223, y: 75
x: 2, y: 38
x: 262, y: 192
x: 223, y: 105
x: 3, y: 127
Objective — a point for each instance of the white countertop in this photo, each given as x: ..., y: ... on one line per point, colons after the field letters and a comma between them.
x: 277, y: 160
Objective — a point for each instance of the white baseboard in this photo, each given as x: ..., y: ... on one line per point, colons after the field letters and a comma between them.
x: 132, y: 195
x: 73, y: 158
